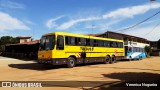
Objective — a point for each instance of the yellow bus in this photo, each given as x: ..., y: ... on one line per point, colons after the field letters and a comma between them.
x: 71, y: 49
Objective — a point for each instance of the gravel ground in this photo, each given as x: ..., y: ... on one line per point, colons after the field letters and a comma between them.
x: 23, y: 70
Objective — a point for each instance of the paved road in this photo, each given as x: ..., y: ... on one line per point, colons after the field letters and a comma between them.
x: 22, y: 70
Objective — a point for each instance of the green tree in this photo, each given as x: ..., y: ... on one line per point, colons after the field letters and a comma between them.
x: 8, y: 40
x: 148, y: 50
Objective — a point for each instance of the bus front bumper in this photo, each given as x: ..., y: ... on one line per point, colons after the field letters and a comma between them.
x: 45, y: 61
x: 53, y: 61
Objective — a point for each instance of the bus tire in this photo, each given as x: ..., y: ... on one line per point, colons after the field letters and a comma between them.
x: 107, y: 60
x: 140, y: 57
x: 130, y: 58
x: 113, y: 59
x: 71, y: 62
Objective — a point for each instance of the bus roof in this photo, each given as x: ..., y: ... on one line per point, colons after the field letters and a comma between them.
x: 80, y: 35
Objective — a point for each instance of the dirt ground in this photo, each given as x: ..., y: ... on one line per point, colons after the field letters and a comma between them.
x: 23, y: 70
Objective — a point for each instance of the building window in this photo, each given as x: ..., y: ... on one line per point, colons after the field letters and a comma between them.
x: 25, y: 40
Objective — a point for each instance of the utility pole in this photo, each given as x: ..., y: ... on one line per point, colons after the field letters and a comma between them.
x: 33, y: 34
x: 92, y: 27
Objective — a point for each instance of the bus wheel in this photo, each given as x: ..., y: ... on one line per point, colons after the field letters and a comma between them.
x: 71, y: 62
x: 130, y: 58
x: 107, y: 60
x: 140, y: 57
x: 113, y: 60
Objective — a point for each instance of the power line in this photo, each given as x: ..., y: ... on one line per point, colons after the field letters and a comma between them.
x: 153, y: 29
x: 140, y: 22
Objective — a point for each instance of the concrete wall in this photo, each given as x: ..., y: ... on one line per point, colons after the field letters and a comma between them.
x: 155, y: 53
x: 25, y: 40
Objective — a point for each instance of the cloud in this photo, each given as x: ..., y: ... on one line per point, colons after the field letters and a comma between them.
x: 120, y: 14
x: 148, y: 32
x: 130, y: 12
x: 103, y: 25
x: 12, y: 5
x: 106, y: 26
x: 8, y: 22
x: 73, y: 22
x: 28, y: 22
x: 51, y: 22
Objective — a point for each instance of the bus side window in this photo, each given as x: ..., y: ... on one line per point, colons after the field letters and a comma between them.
x: 129, y: 49
x: 66, y: 40
x: 90, y: 42
x: 100, y: 43
x: 141, y: 49
x: 106, y: 44
x: 116, y: 44
x: 134, y: 50
x: 95, y: 42
x: 111, y: 44
x: 120, y: 44
x: 138, y: 49
x: 83, y: 41
x: 72, y: 42
x: 60, y: 43
x: 77, y: 41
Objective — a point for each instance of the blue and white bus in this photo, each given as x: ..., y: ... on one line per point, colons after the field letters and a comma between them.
x: 135, y: 50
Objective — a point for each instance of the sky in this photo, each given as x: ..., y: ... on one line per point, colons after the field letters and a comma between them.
x: 37, y: 17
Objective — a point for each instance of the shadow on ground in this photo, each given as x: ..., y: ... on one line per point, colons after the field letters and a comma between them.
x: 144, y: 69
x: 134, y: 76
x: 21, y: 58
x: 35, y: 66
x: 129, y: 77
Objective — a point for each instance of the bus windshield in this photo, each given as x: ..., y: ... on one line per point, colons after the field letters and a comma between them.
x: 47, y: 42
